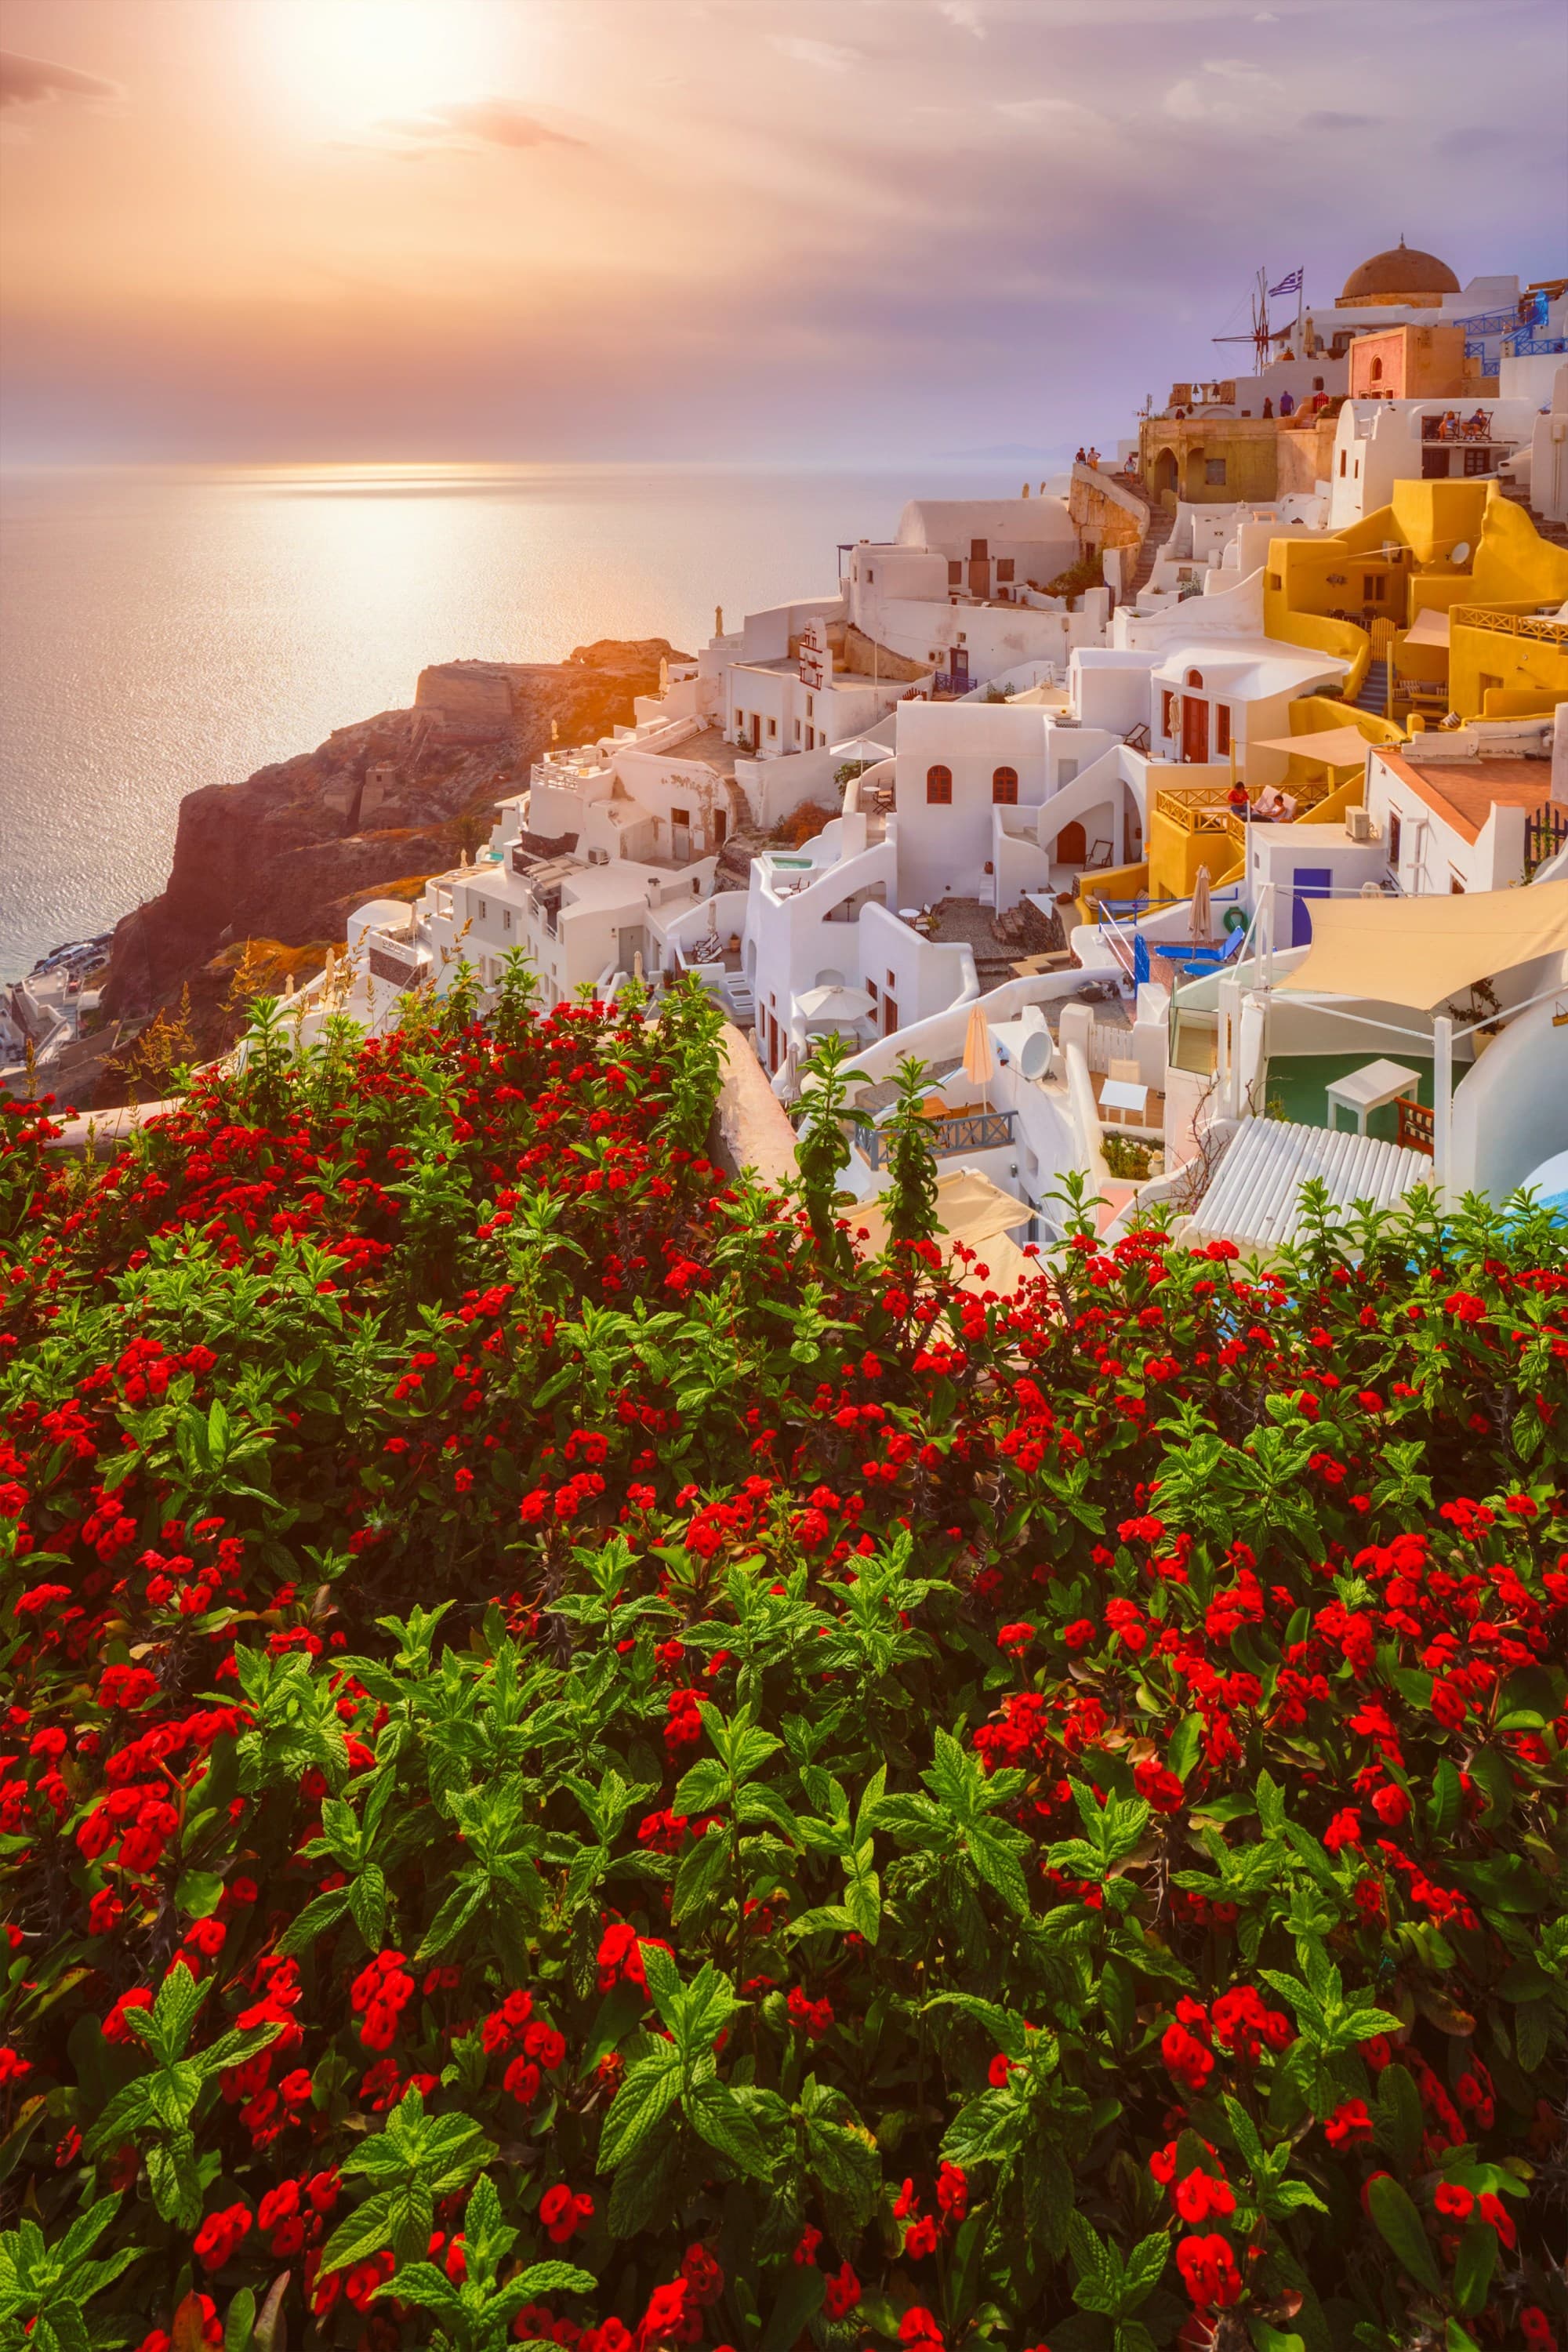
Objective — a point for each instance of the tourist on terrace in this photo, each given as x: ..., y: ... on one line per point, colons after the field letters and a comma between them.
x: 1235, y: 800
x: 1287, y: 404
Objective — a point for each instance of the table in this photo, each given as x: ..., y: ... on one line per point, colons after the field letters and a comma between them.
x: 1375, y: 1084
x: 1123, y: 1095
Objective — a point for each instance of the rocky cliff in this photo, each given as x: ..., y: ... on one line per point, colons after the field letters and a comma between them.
x: 286, y: 855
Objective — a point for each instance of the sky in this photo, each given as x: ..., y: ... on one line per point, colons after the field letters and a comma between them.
x: 812, y: 231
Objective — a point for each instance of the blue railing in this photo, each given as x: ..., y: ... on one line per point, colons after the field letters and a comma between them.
x: 980, y: 1131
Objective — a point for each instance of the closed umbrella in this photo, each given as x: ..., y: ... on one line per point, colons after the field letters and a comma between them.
x: 979, y: 1059
x: 1203, y: 914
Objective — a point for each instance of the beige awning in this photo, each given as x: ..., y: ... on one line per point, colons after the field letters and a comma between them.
x: 970, y: 1208
x: 1421, y: 951
x: 1340, y: 747
x: 1430, y: 627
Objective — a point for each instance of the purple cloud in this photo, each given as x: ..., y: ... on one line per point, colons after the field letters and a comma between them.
x: 34, y: 81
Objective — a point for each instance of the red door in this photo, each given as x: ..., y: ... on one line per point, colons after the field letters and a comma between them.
x: 890, y: 1016
x: 1194, y: 728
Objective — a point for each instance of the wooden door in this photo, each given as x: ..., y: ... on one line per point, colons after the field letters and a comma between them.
x: 890, y: 1016
x: 1195, y: 728
x: 1072, y: 848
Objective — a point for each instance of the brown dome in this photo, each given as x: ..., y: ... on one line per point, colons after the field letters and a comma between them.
x: 1399, y: 274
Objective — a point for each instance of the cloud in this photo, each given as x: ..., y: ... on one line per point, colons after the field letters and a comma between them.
x: 1328, y: 121
x: 964, y: 15
x: 32, y: 81
x: 828, y: 57
x: 1233, y: 94
x: 483, y: 122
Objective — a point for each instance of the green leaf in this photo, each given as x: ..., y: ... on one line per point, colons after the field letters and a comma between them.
x: 1473, y: 2265
x: 239, y: 2322
x: 1400, y: 2225
x: 199, y: 1893
x: 648, y: 2087
x: 1397, y: 2118
x: 801, y: 2291
x: 713, y: 2110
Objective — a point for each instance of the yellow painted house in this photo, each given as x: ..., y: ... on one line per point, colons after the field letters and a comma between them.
x: 1454, y: 548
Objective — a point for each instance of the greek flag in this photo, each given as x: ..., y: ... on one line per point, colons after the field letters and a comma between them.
x: 1291, y: 285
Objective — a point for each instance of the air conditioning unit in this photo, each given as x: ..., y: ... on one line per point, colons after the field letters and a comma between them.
x: 1358, y: 824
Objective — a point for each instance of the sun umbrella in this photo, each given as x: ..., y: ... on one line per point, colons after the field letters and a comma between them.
x: 835, y: 1003
x: 1203, y: 914
x: 979, y: 1059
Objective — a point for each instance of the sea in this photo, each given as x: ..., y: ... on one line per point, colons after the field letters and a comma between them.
x: 164, y: 628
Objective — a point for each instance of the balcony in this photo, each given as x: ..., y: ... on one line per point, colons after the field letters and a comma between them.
x: 970, y: 1131
x: 1543, y: 628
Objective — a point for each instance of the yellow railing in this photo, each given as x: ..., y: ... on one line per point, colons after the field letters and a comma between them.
x: 1539, y: 626
x: 1203, y: 810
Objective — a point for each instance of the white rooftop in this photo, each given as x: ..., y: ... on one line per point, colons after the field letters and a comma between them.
x: 1252, y: 669
x: 1255, y: 1199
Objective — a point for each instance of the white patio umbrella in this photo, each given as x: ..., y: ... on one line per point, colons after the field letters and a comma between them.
x: 1203, y: 913
x: 979, y: 1058
x: 835, y: 1003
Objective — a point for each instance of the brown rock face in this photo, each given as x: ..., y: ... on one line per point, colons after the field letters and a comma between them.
x: 284, y: 854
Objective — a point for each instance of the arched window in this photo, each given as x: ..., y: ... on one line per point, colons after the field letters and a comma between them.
x: 1377, y: 371
x: 1004, y: 787
x: 939, y: 786
x: 1195, y: 677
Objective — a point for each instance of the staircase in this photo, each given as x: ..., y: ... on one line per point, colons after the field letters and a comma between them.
x: 1554, y: 533
x: 1373, y: 696
x: 1162, y: 523
x: 743, y: 1003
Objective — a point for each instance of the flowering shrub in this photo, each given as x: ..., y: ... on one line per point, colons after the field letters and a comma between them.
x: 579, y: 1766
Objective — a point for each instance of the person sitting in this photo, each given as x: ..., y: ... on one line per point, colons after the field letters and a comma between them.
x: 1236, y: 799
x: 1287, y: 405
x: 1267, y: 808
x: 1478, y: 426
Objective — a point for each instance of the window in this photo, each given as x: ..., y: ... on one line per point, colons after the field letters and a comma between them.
x: 1214, y: 471
x: 679, y: 816
x: 1477, y: 461
x: 1195, y: 677
x: 1167, y: 712
x: 871, y: 576
x: 1344, y: 457
x: 1374, y: 588
x: 506, y: 919
x: 797, y: 730
x: 811, y: 706
x: 978, y: 550
x: 1004, y: 787
x: 484, y: 912
x: 1222, y: 728
x: 939, y: 787
x: 1276, y: 580
x: 1005, y: 567
x: 955, y: 572
x: 892, y: 982
x: 721, y: 828
x: 773, y: 727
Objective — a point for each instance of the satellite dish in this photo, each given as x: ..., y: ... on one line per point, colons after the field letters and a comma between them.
x: 1461, y: 555
x: 1030, y: 1050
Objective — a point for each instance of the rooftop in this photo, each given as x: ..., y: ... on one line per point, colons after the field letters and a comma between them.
x: 1463, y: 793
x: 1404, y: 269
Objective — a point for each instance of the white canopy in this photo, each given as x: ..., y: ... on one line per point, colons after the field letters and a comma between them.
x: 1421, y: 951
x: 1338, y: 747
x: 970, y: 1208
x: 1430, y: 627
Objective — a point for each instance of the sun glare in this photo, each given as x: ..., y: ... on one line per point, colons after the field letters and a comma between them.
x: 358, y: 62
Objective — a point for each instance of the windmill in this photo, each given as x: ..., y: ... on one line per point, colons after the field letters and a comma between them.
x: 1260, y: 334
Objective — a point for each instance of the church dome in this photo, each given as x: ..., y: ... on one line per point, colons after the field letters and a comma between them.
x: 1401, y: 274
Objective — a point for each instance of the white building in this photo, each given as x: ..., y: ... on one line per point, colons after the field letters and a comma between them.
x: 963, y: 588
x: 1380, y: 442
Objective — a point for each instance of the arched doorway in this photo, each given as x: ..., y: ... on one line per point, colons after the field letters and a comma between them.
x: 1072, y: 848
x: 1166, y: 477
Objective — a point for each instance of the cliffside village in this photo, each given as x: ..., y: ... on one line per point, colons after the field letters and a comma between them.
x: 1200, y: 819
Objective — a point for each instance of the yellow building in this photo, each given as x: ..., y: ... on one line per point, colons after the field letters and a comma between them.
x: 1459, y: 548
x: 1210, y: 460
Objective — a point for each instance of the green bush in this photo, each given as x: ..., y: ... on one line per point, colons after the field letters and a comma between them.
x: 586, y: 1765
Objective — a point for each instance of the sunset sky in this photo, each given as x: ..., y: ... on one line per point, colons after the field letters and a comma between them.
x: 812, y: 230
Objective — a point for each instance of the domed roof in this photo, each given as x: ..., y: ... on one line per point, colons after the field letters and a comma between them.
x: 1401, y: 271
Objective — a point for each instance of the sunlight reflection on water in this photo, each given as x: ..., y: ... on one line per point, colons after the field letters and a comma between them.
x: 162, y: 629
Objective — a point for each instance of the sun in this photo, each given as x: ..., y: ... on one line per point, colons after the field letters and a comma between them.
x: 357, y: 62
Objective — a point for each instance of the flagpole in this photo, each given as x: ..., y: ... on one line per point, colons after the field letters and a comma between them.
x: 1301, y: 298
